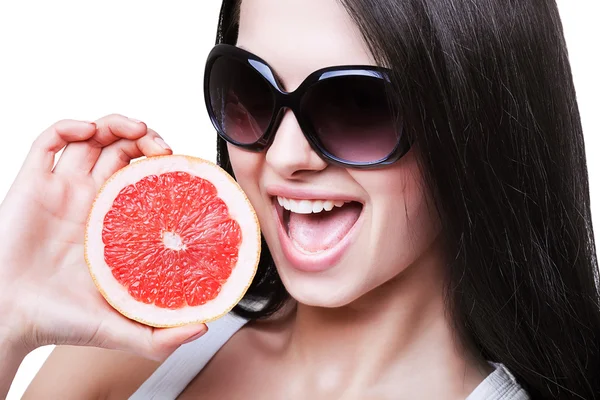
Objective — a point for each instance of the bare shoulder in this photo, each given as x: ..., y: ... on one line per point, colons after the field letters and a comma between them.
x: 249, y: 356
x: 76, y: 372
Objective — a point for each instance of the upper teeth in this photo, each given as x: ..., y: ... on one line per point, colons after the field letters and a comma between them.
x: 308, y: 206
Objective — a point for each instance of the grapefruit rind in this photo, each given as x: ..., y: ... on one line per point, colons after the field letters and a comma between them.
x: 240, y: 209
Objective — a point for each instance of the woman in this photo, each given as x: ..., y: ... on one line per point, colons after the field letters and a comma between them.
x: 461, y: 265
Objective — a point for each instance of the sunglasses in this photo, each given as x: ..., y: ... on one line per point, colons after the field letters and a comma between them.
x: 345, y: 112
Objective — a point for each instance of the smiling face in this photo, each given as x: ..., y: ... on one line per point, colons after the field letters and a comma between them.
x: 380, y: 223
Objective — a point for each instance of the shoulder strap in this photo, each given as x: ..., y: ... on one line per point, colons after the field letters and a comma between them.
x: 499, y: 385
x: 181, y: 367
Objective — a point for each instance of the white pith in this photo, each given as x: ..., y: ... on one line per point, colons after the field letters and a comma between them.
x: 239, y: 209
x: 173, y: 241
x: 309, y: 206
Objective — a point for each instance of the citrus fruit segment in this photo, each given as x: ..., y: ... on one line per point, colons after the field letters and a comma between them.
x: 172, y: 240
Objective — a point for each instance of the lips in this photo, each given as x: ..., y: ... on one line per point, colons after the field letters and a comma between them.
x: 316, y: 233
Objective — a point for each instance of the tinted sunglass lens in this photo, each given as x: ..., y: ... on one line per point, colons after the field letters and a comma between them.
x: 241, y: 100
x: 352, y: 118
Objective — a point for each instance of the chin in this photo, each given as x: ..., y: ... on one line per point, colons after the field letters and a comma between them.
x: 322, y: 299
x: 330, y: 289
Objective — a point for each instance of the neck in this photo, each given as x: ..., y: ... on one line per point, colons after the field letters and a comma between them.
x: 397, y: 334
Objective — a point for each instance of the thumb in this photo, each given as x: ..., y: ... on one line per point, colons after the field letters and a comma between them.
x: 153, y: 343
x: 163, y: 341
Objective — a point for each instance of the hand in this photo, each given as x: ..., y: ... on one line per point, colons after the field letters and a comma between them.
x: 46, y: 293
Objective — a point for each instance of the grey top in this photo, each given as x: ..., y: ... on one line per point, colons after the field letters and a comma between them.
x: 173, y: 376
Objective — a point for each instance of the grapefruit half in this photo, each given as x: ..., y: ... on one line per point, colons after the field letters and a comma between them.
x: 172, y: 240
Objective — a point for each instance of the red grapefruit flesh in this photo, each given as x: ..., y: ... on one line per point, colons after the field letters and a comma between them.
x: 172, y: 240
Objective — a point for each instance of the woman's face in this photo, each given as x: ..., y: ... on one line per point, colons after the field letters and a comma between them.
x: 330, y: 258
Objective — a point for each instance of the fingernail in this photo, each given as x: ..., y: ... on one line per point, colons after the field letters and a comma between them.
x: 196, y: 336
x: 162, y: 143
x: 137, y: 121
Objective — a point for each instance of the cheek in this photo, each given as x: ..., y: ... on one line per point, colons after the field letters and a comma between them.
x: 246, y: 167
x: 403, y: 217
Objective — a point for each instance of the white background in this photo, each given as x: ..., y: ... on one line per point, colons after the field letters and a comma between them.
x: 145, y: 59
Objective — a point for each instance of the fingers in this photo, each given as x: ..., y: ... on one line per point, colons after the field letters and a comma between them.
x: 120, y: 153
x: 80, y: 157
x: 52, y: 140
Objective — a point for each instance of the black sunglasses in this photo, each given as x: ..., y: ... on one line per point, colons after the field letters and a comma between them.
x: 344, y: 112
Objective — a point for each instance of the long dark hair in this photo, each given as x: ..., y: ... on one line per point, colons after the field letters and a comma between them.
x: 486, y: 93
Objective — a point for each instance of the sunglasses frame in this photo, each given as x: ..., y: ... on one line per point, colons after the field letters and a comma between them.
x: 292, y: 101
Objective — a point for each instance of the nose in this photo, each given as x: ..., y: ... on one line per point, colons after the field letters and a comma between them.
x: 290, y: 154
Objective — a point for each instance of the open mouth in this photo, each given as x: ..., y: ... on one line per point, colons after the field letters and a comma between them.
x: 316, y: 226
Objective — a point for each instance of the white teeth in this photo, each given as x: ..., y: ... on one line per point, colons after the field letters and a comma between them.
x: 317, y: 206
x: 303, y: 206
x: 309, y: 206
